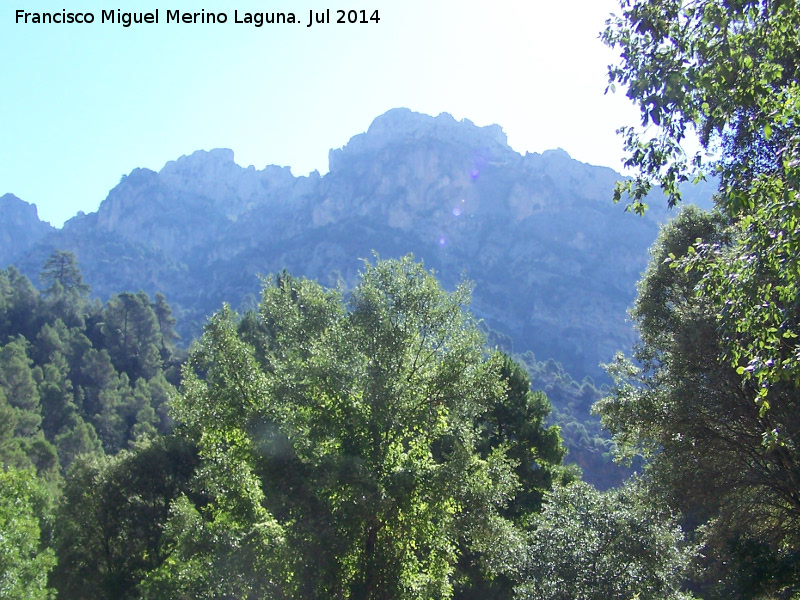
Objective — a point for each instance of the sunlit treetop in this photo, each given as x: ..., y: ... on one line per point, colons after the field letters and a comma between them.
x: 723, y: 71
x: 727, y: 72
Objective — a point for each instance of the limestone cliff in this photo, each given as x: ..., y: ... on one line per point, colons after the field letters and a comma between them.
x: 553, y: 261
x: 20, y: 228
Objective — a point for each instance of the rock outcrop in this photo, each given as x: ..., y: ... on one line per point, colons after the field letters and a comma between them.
x: 20, y: 228
x: 553, y: 261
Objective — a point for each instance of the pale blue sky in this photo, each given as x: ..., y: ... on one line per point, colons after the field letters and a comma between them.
x: 81, y: 105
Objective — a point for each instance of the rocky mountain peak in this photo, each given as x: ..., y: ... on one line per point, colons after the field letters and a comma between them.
x: 200, y: 164
x: 20, y: 227
x: 13, y: 208
x: 553, y: 261
x: 215, y: 175
x: 401, y: 126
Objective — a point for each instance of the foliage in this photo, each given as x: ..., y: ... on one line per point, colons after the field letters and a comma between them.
x: 166, y: 325
x: 62, y: 273
x: 76, y: 376
x: 134, y: 334
x: 594, y: 546
x: 514, y: 424
x: 110, y: 525
x: 66, y: 294
x: 24, y: 558
x: 683, y: 406
x: 356, y: 427
x: 726, y: 71
x: 216, y: 554
x: 24, y: 445
x: 729, y: 72
x: 588, y: 445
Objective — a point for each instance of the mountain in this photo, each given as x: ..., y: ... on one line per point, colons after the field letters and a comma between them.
x: 553, y: 261
x: 20, y: 228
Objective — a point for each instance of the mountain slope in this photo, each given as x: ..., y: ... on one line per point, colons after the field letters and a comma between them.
x: 553, y: 261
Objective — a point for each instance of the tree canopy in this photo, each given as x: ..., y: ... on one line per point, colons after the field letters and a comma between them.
x: 25, y: 561
x: 353, y: 429
x: 684, y: 406
x: 728, y: 73
x: 590, y: 545
x: 61, y: 273
x: 322, y: 445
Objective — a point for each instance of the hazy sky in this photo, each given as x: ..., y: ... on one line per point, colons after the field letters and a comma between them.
x: 81, y: 105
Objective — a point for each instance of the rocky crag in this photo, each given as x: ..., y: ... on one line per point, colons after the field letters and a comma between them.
x: 553, y: 261
x: 20, y: 228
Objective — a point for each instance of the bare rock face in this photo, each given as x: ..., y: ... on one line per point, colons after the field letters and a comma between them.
x: 553, y: 261
x: 232, y: 190
x: 20, y: 228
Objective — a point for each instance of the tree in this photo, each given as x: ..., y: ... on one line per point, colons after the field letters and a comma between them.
x: 730, y: 72
x: 24, y: 445
x: 111, y: 521
x: 684, y: 407
x: 514, y: 424
x: 18, y: 314
x: 726, y: 71
x: 354, y: 427
x: 61, y: 272
x: 17, y: 381
x: 132, y: 335
x: 24, y: 560
x: 66, y: 296
x: 590, y: 545
x: 166, y: 325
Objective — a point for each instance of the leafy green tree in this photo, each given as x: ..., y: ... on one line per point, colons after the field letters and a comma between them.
x: 166, y: 325
x: 126, y: 414
x: 354, y: 427
x: 76, y: 439
x: 24, y: 560
x: 55, y: 393
x: 161, y: 391
x: 683, y: 406
x: 220, y: 553
x: 62, y: 424
x: 120, y: 412
x: 590, y: 545
x: 110, y: 524
x: 12, y: 451
x: 514, y: 424
x: 24, y: 445
x: 730, y: 73
x: 17, y: 381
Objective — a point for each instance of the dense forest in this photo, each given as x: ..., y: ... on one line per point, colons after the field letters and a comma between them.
x: 316, y: 446
x: 375, y: 442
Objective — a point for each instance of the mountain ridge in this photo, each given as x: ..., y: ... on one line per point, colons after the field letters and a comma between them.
x: 554, y: 262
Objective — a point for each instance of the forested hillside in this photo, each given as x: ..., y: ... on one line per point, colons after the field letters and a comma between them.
x: 320, y: 445
x: 79, y: 376
x: 553, y: 263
